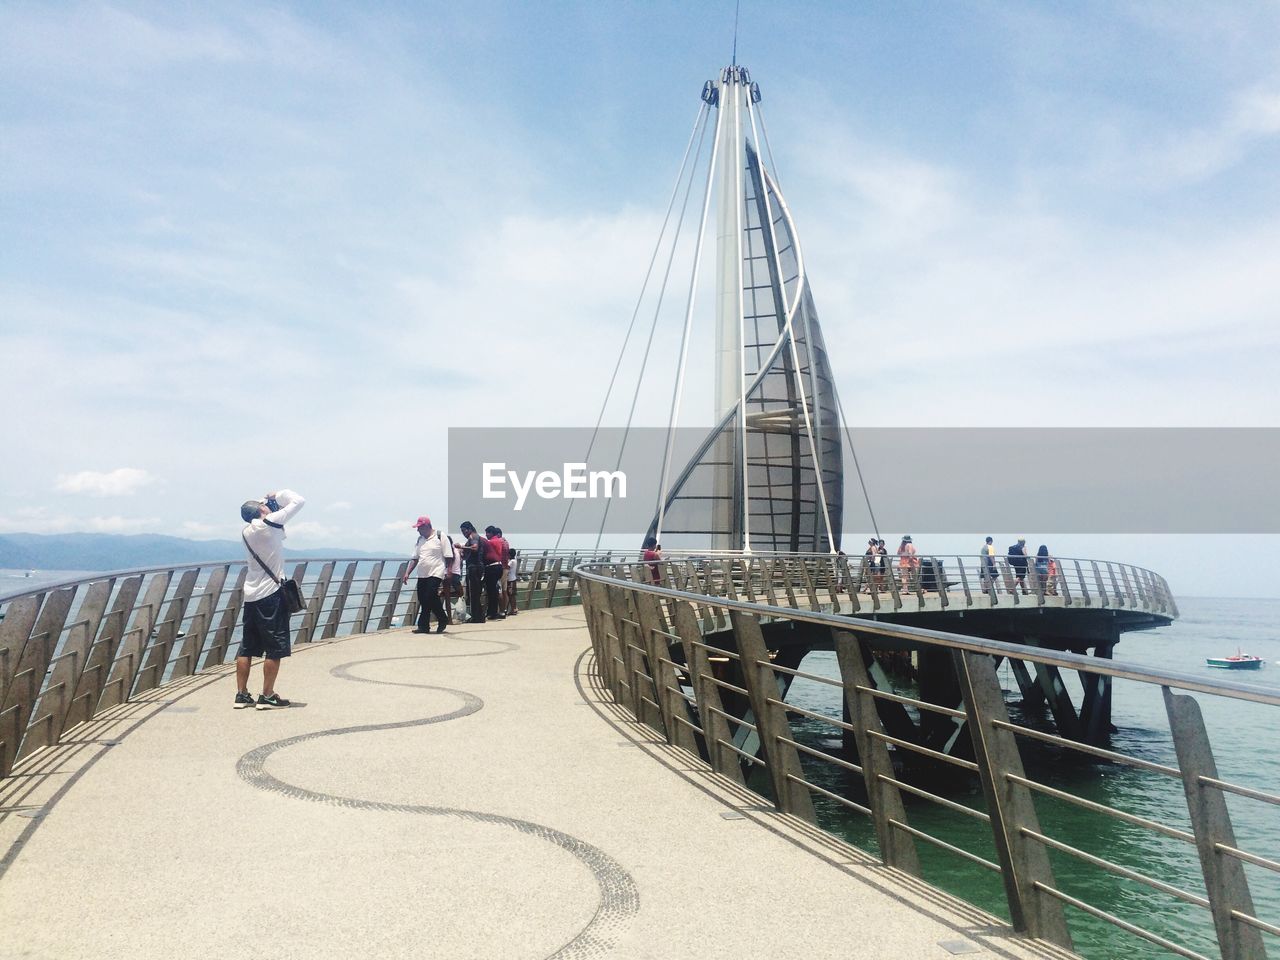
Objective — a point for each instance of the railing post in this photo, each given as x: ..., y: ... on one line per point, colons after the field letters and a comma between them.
x: 671, y: 703
x: 641, y: 671
x: 553, y: 581
x: 315, y: 604
x: 393, y: 598
x: 535, y: 578
x: 339, y: 603
x: 48, y: 719
x: 1011, y: 581
x: 592, y: 609
x: 771, y: 719
x: 716, y: 734
x: 964, y: 582
x: 15, y: 628
x: 134, y: 643
x: 1115, y: 586
x: 29, y: 673
x: 618, y: 612
x: 940, y: 581
x: 226, y: 629
x: 1097, y: 577
x: 808, y: 584
x: 366, y: 602
x: 166, y: 631
x: 897, y: 847
x: 1064, y: 587
x: 1024, y: 862
x: 1084, y: 586
x: 188, y: 660
x: 1224, y: 876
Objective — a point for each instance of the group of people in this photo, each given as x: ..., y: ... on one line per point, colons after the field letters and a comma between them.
x: 478, y: 569
x: 879, y: 567
x: 1043, y: 565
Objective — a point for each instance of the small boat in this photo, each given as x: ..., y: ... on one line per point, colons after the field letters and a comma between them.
x: 1241, y: 661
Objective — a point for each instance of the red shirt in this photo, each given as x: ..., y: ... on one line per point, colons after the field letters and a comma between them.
x: 653, y: 567
x: 497, y: 550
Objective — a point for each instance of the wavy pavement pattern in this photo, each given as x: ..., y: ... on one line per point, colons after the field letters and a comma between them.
x: 619, y: 897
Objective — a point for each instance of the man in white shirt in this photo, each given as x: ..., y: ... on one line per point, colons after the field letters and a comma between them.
x: 266, y: 616
x: 432, y: 555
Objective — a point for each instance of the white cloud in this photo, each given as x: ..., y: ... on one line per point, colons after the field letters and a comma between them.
x: 41, y: 520
x: 339, y: 505
x: 121, y: 482
x: 311, y: 530
x: 117, y: 524
x: 197, y: 530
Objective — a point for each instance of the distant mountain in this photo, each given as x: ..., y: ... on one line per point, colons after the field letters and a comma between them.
x: 116, y: 551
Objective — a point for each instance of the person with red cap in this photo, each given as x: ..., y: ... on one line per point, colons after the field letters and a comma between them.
x: 431, y: 558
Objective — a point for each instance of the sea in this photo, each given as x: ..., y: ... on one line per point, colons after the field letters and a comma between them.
x: 1246, y: 746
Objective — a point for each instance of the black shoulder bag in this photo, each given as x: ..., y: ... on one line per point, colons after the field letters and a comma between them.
x: 289, y: 588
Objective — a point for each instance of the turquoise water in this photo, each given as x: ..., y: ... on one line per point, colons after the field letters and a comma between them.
x: 1245, y: 746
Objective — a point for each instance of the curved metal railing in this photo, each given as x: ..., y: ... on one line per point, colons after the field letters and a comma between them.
x: 73, y: 648
x: 688, y: 656
x: 932, y: 583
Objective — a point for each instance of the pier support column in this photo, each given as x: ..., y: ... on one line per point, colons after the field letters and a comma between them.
x: 1095, y: 709
x: 1032, y: 695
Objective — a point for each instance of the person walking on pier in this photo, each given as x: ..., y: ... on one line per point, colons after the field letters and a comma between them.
x: 988, y: 557
x: 908, y: 562
x: 474, y: 549
x: 1043, y: 562
x: 1018, y: 560
x: 431, y: 558
x: 265, y: 630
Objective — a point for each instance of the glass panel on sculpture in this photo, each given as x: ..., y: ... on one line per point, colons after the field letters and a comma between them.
x: 782, y: 374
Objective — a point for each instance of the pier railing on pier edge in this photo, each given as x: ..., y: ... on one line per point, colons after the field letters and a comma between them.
x: 688, y: 656
x: 70, y: 650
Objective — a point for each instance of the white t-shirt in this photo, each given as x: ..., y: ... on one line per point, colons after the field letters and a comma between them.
x: 266, y: 536
x: 432, y: 553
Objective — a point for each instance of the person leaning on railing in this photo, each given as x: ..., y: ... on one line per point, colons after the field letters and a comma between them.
x: 266, y: 615
x: 652, y: 555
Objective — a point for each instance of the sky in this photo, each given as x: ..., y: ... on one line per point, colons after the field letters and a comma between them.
x: 250, y: 246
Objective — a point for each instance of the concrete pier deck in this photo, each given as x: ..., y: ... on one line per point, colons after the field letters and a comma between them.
x: 471, y: 795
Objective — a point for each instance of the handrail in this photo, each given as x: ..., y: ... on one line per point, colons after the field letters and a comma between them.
x: 999, y: 648
x: 737, y: 599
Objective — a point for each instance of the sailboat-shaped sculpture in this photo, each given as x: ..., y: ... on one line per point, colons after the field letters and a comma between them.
x: 769, y: 475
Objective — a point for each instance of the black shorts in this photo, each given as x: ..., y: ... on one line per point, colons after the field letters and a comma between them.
x: 266, y: 628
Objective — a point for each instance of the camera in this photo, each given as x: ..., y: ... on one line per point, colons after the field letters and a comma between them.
x: 272, y: 504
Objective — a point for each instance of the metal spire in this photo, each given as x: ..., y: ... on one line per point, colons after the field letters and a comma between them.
x: 736, y: 7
